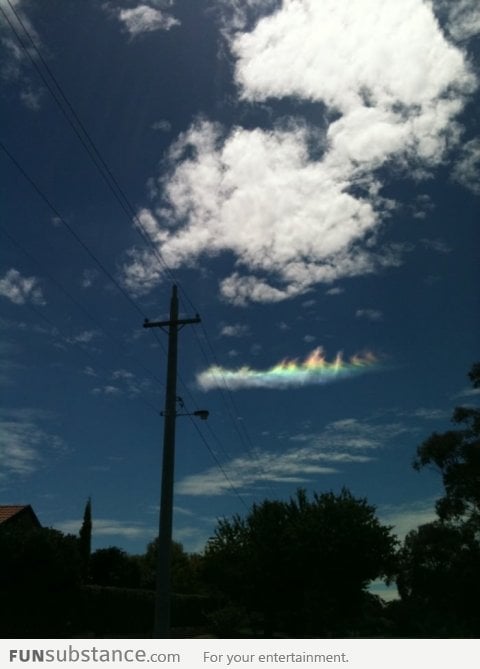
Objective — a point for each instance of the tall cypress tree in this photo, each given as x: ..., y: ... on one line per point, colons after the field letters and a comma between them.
x: 85, y: 538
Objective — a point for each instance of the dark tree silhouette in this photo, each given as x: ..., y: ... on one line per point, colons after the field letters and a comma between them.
x: 303, y: 566
x: 114, y: 567
x: 456, y: 455
x: 439, y: 582
x: 439, y: 578
x: 184, y: 568
x: 40, y: 573
x: 85, y: 539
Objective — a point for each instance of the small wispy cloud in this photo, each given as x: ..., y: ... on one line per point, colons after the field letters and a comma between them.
x: 335, y: 291
x: 32, y: 98
x: 467, y: 169
x: 23, y: 441
x: 109, y: 528
x: 408, y: 516
x: 342, y: 443
x: 106, y: 390
x: 244, y: 473
x: 350, y: 435
x: 15, y: 65
x: 462, y: 18
x: 121, y: 382
x: 437, y: 245
x: 145, y: 19
x: 89, y: 276
x: 84, y: 337
x: 123, y: 374
x: 373, y: 315
x: 21, y: 289
x: 430, y: 414
x: 162, y: 125
x: 237, y: 330
x: 468, y: 392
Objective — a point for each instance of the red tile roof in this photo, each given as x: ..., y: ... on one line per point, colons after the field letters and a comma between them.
x: 9, y: 511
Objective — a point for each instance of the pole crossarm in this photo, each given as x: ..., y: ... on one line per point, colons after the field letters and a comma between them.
x: 181, y: 322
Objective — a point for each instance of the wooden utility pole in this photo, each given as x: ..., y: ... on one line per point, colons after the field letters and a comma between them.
x: 163, y: 595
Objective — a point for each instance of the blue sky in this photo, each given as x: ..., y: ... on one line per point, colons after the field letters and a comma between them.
x: 308, y: 173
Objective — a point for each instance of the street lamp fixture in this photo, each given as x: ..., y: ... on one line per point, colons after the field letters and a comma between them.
x: 202, y: 414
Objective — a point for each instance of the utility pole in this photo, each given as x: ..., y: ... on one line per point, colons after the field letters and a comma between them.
x: 163, y: 596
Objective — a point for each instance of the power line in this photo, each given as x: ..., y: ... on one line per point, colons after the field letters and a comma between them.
x: 77, y: 303
x: 77, y: 238
x: 83, y: 135
x: 92, y: 255
x: 227, y: 396
x: 57, y: 330
x: 88, y: 143
x: 212, y: 453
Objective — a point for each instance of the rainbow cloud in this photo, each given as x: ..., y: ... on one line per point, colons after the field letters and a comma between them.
x: 314, y: 369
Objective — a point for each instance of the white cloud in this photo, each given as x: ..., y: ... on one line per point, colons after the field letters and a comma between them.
x: 462, y: 17
x: 467, y: 169
x: 163, y: 125
x: 237, y: 330
x: 351, y: 434
x: 393, y: 87
x: 14, y: 60
x: 21, y: 289
x: 437, y: 245
x: 121, y: 382
x: 335, y: 291
x: 468, y: 392
x: 22, y: 441
x: 369, y: 314
x: 292, y: 467
x: 143, y: 18
x: 237, y: 14
x: 430, y: 414
x: 409, y: 516
x: 341, y: 443
x: 350, y: 54
x: 297, y: 221
x: 89, y: 276
x: 84, y: 337
x: 109, y: 528
x: 123, y: 374
x: 31, y: 98
x: 106, y: 390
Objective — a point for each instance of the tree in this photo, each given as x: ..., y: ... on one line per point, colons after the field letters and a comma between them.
x: 303, y: 566
x: 85, y: 538
x: 39, y: 580
x: 439, y: 581
x: 114, y: 567
x: 456, y: 455
x: 184, y: 568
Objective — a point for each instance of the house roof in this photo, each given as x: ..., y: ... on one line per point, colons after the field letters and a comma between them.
x: 9, y: 511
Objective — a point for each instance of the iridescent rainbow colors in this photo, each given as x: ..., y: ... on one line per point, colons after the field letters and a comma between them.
x: 288, y: 373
